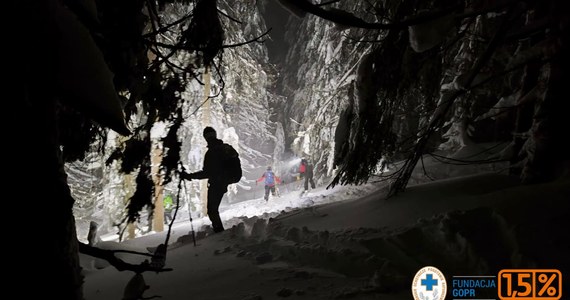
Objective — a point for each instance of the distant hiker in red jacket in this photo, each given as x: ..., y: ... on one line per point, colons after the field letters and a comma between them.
x: 306, y: 171
x: 270, y: 179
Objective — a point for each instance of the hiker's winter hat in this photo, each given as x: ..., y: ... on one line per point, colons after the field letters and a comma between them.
x: 209, y: 133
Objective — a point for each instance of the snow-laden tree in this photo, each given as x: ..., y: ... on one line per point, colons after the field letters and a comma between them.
x: 318, y: 72
x: 438, y: 66
x: 238, y: 100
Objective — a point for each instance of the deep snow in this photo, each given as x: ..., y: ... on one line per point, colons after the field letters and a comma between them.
x: 352, y: 242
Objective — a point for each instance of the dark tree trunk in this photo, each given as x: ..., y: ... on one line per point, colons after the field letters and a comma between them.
x: 544, y: 120
x: 50, y: 221
x: 524, y: 117
x: 45, y: 229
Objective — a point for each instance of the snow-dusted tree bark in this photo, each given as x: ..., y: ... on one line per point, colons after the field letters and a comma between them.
x: 86, y: 182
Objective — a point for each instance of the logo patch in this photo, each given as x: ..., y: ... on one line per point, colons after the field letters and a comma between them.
x: 429, y: 284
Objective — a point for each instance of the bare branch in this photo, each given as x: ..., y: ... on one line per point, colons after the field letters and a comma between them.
x: 153, y: 14
x: 229, y: 17
x: 464, y: 162
x: 353, y: 21
x: 119, y: 264
x: 248, y: 42
x: 357, y: 40
x: 327, y: 3
x: 181, y: 47
x: 172, y: 66
x: 166, y: 27
x: 347, y: 19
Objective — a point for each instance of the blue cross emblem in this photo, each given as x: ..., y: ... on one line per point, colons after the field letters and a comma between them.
x: 429, y: 282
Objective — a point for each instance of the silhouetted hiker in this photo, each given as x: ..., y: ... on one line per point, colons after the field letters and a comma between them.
x: 306, y: 171
x: 270, y: 179
x: 217, y: 170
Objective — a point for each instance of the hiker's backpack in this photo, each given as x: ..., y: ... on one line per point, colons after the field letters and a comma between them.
x: 269, y: 178
x: 232, y: 164
x: 302, y: 168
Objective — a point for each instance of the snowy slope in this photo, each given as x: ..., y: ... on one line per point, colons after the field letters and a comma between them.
x: 362, y: 247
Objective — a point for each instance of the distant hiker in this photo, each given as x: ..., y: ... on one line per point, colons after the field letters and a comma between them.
x: 294, y: 173
x: 306, y: 171
x: 221, y: 167
x: 168, y: 206
x: 269, y: 178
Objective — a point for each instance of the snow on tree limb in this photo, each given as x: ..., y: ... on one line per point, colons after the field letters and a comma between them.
x: 83, y: 77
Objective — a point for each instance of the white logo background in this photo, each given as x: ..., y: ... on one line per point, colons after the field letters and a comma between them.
x: 429, y: 284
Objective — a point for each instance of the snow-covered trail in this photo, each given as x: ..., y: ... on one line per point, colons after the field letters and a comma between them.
x: 361, y: 247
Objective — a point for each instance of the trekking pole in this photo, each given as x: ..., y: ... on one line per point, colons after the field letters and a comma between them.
x: 190, y: 216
